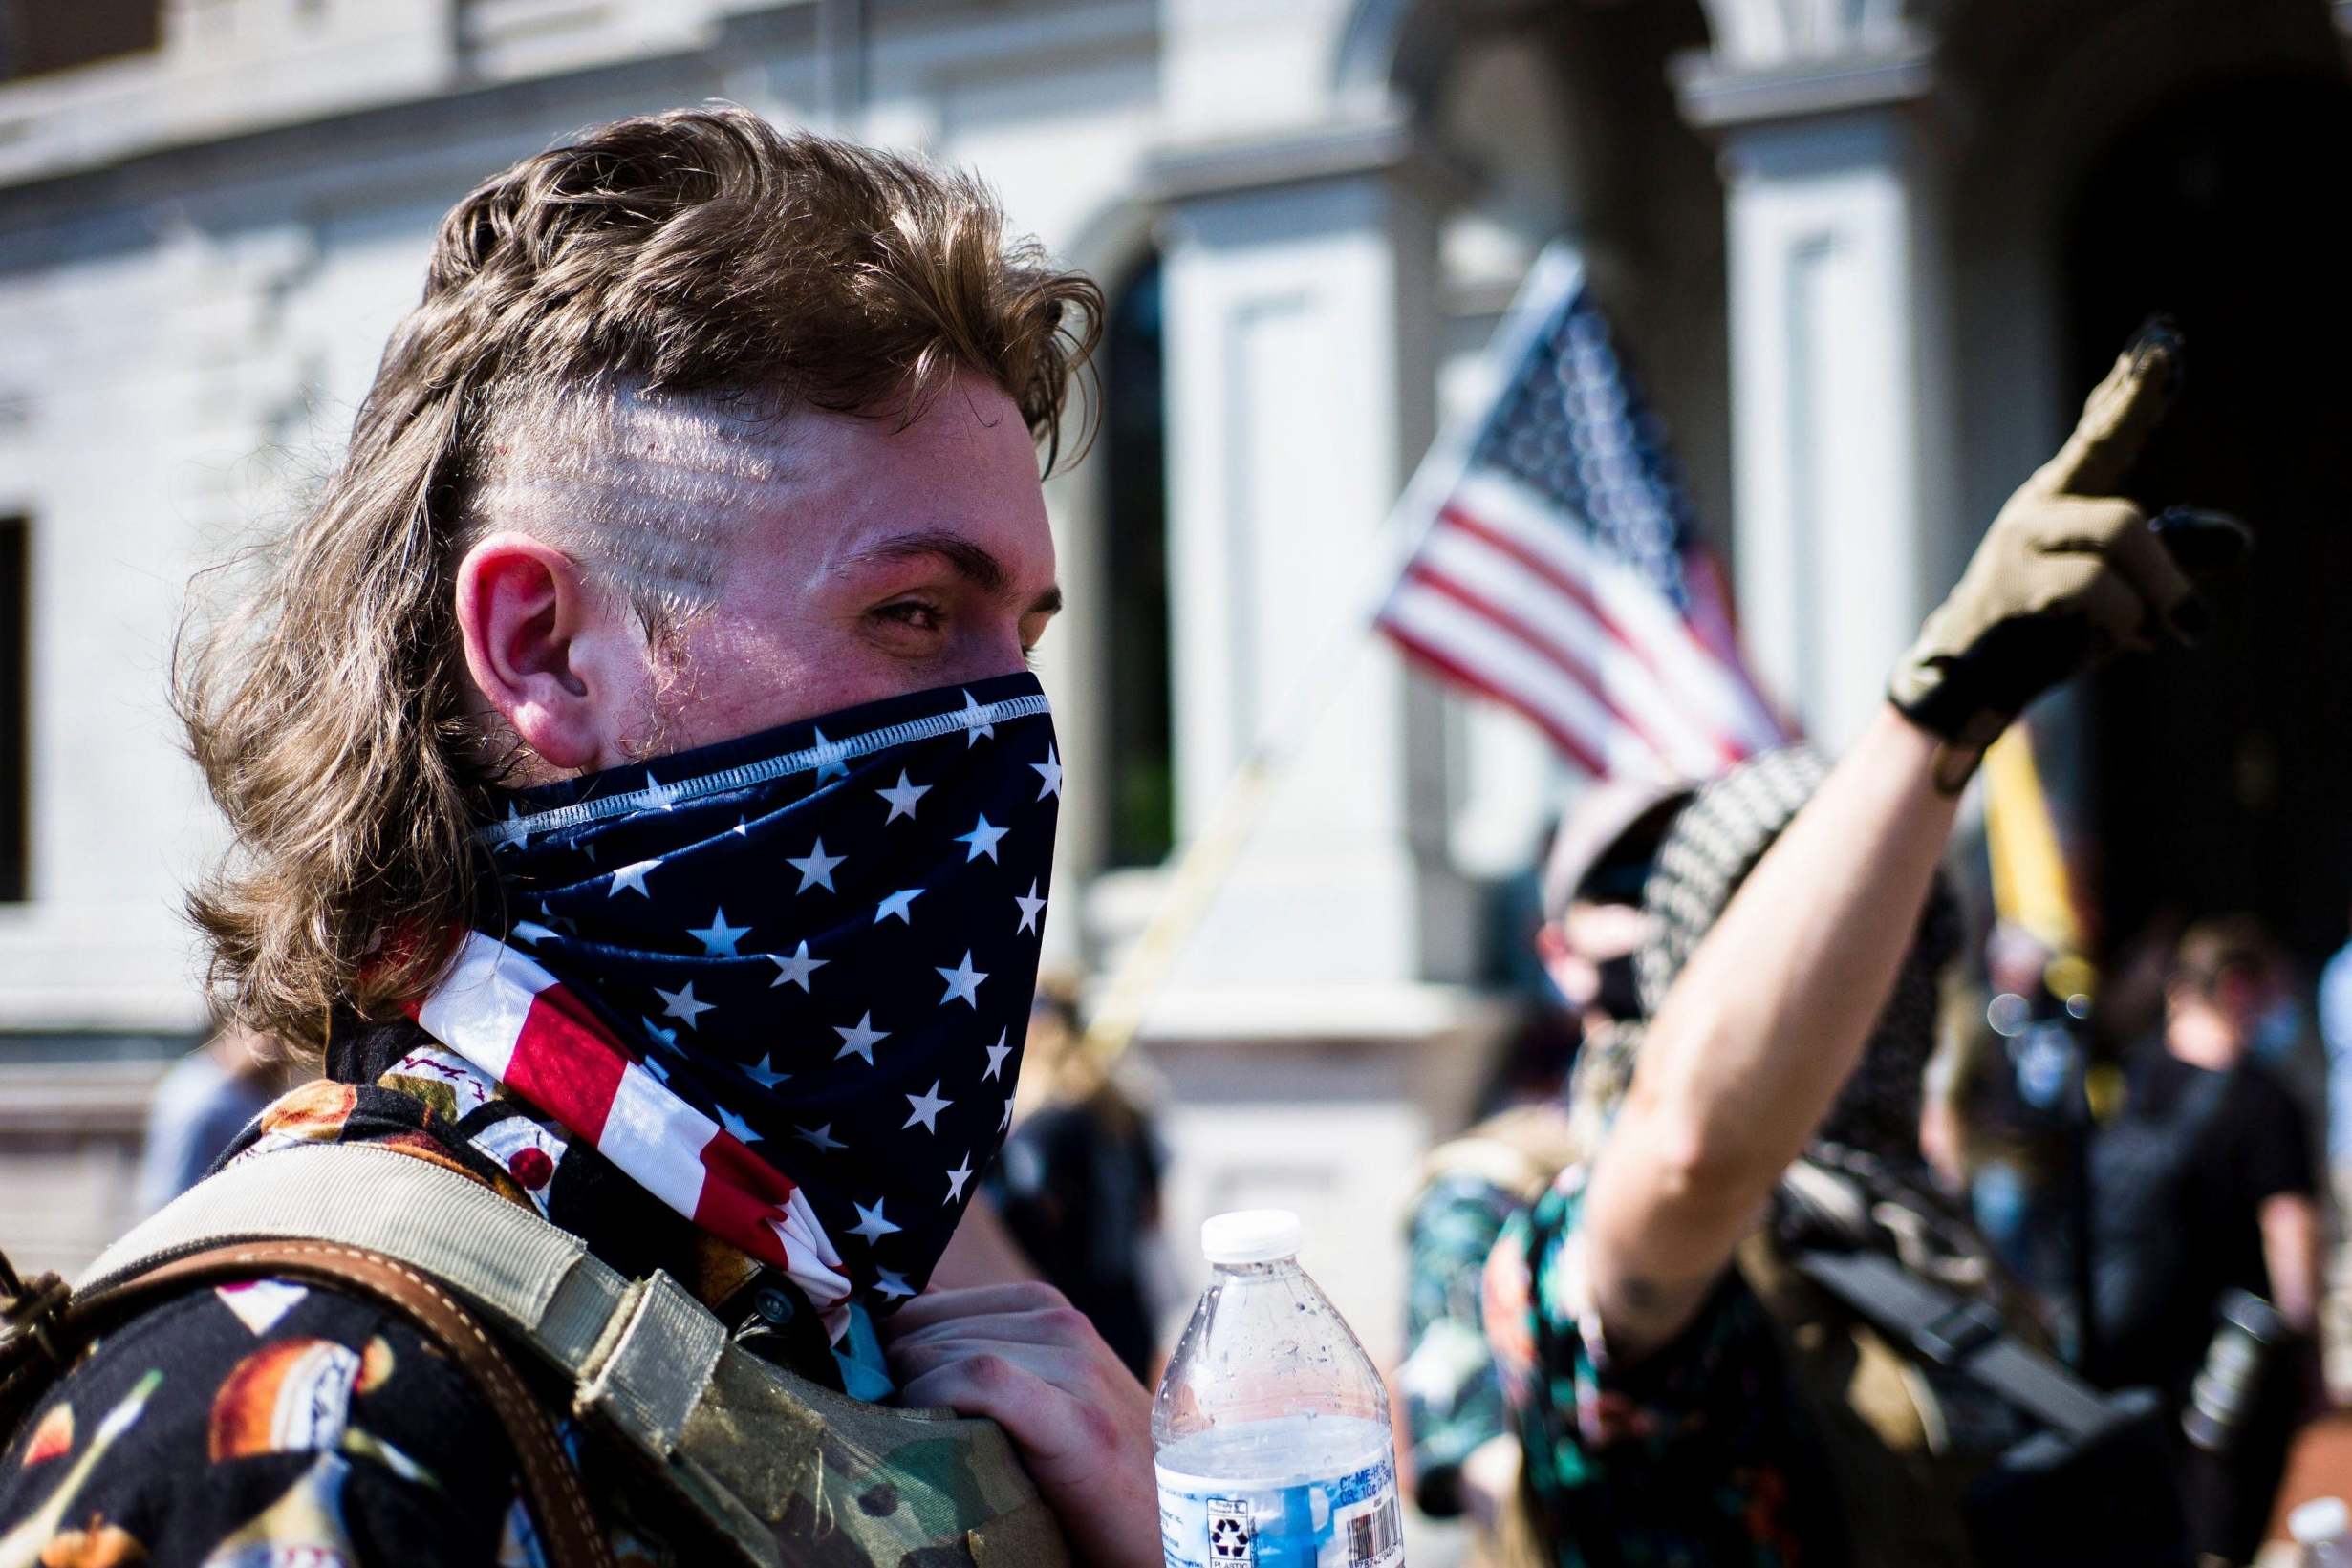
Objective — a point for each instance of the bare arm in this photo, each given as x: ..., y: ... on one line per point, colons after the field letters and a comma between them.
x: 1760, y: 1032
x: 2291, y: 1256
x: 1943, y: 1130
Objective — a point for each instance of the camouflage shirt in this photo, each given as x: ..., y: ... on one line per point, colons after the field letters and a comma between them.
x: 275, y: 1421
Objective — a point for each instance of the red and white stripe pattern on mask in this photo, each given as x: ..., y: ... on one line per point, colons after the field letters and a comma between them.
x: 511, y: 1018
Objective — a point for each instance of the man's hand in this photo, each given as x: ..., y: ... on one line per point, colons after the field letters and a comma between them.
x: 1023, y: 1357
x: 2069, y: 573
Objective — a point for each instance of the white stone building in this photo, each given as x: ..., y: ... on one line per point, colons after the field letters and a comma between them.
x: 1852, y: 246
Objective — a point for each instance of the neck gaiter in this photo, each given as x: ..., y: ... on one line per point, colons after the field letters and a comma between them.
x: 783, y: 982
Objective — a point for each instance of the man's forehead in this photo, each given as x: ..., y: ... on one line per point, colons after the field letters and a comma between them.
x: 957, y: 486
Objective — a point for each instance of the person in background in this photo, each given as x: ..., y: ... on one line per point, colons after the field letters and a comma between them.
x: 1078, y: 1183
x: 1533, y: 1058
x: 200, y: 1106
x: 2335, y: 1020
x: 1464, y: 1457
x: 2204, y: 1184
x: 1682, y: 1392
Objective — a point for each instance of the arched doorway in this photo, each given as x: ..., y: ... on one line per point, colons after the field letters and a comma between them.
x: 1137, y: 727
x: 2220, y: 778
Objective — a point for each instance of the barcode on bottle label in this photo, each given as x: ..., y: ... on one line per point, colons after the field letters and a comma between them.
x: 1373, y: 1533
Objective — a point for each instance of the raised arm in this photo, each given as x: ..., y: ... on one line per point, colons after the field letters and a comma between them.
x: 1772, y: 1010
x: 1760, y: 1031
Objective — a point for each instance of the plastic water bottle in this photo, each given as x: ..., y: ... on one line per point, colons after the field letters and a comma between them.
x: 1271, y: 1428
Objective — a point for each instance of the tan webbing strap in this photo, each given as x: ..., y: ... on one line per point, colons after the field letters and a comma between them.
x: 536, y: 1277
x: 654, y: 1371
x: 492, y: 1252
x: 566, y: 1525
x: 640, y: 1354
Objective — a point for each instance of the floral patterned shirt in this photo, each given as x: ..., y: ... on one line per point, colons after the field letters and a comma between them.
x: 274, y: 1423
x: 1699, y: 1456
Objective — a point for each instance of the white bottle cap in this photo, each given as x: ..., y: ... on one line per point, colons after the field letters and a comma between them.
x: 1250, y: 1235
x: 2319, y: 1521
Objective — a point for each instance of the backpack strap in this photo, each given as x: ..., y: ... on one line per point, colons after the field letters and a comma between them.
x: 640, y: 1350
x: 1517, y: 1151
x: 567, y: 1524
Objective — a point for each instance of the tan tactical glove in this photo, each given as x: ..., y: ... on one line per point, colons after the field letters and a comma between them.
x: 2069, y: 573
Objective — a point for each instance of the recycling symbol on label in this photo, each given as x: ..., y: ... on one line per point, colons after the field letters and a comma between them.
x: 1229, y: 1539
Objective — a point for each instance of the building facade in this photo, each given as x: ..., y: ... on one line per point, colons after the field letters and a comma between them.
x: 1854, y: 247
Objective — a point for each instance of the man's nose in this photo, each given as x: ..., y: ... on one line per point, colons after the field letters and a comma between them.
x: 989, y: 654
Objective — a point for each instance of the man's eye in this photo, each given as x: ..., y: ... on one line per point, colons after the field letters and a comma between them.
x: 913, y: 613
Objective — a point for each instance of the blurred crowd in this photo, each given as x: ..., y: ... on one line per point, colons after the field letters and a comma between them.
x: 2158, y: 1161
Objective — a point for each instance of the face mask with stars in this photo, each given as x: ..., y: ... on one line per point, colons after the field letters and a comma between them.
x: 815, y: 947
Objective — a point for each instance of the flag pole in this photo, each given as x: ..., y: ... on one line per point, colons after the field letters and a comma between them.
x: 1204, y: 862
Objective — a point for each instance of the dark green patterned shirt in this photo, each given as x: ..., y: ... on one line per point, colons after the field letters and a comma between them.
x: 1453, y: 1397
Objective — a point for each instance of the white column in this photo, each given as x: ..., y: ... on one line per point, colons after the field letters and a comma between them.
x: 1300, y: 337
x: 1842, y: 397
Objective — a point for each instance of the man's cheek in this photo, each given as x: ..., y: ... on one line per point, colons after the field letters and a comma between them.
x: 734, y: 680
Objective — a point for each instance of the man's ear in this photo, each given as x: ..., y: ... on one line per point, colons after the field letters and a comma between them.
x: 547, y: 650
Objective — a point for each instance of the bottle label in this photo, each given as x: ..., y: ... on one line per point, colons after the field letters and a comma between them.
x: 1347, y: 1521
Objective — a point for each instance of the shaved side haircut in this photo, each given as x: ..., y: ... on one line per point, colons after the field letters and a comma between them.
x: 648, y: 487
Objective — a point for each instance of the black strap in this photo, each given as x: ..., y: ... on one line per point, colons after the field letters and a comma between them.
x: 1965, y: 1335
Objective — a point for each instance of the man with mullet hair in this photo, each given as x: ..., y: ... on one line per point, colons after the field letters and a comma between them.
x: 644, y: 813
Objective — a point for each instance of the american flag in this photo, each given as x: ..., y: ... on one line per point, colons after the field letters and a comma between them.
x: 1559, y: 571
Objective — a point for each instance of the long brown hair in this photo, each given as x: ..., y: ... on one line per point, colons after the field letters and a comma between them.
x: 702, y: 255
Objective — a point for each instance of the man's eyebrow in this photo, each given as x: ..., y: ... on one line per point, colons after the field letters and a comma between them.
x: 973, y: 562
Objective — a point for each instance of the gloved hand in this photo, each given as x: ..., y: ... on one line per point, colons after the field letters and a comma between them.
x: 2069, y: 573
